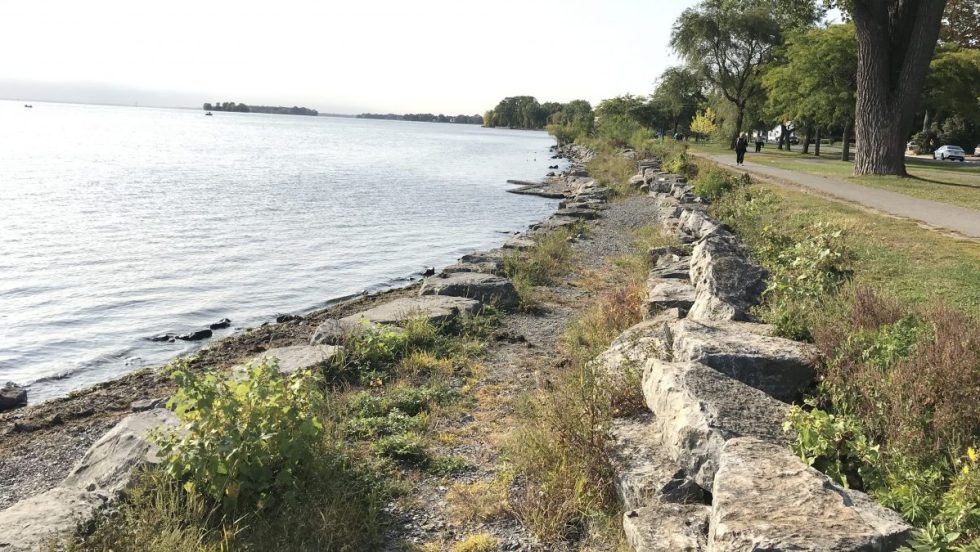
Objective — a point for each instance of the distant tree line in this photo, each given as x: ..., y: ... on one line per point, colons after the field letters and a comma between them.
x: 242, y: 108
x: 567, y: 121
x: 426, y: 117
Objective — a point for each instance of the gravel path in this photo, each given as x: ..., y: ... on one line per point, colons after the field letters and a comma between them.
x: 932, y: 213
x: 522, y: 359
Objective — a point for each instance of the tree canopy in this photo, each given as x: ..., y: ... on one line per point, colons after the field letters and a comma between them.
x: 728, y: 42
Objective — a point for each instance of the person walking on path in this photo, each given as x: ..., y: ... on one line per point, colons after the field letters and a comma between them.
x: 758, y: 143
x: 741, y: 145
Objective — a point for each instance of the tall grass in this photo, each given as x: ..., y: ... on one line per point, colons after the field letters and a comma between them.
x: 558, y: 454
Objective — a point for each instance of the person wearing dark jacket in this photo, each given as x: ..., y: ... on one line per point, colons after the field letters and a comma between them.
x: 741, y: 145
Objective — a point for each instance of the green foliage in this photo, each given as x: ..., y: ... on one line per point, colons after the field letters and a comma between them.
x: 836, y: 445
x: 713, y: 184
x: 703, y: 124
x: 675, y: 159
x: 406, y: 448
x: 247, y: 438
x: 677, y: 96
x: 402, y: 409
x: 817, y: 83
x: 802, y: 274
x: 541, y: 264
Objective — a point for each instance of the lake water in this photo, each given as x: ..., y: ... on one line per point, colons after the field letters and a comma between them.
x: 121, y: 223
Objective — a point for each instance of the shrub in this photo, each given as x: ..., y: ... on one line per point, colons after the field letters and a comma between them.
x: 802, y: 275
x: 406, y: 448
x: 714, y: 183
x: 540, y: 265
x: 246, y: 440
x: 675, y: 159
x: 834, y: 444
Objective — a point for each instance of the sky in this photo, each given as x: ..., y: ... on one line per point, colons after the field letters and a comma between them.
x: 451, y: 57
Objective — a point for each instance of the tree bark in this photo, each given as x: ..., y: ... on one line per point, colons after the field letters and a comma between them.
x: 806, y: 140
x: 816, y: 144
x: 896, y: 40
x: 782, y: 135
x: 845, y: 152
x: 739, y: 119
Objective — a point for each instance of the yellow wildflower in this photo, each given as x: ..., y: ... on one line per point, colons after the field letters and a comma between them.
x: 972, y: 455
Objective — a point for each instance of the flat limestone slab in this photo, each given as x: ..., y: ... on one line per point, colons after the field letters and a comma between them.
x: 485, y: 288
x: 94, y: 482
x: 519, y: 242
x: 298, y: 357
x: 644, y: 471
x: 779, y: 367
x: 765, y: 498
x: 668, y: 293
x: 667, y: 527
x: 697, y: 409
x: 434, y: 308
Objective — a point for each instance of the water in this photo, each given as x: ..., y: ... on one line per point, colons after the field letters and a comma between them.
x: 121, y: 223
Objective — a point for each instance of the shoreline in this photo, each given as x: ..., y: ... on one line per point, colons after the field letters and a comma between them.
x: 39, y: 443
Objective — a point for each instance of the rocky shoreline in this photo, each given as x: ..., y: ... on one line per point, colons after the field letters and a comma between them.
x: 39, y: 444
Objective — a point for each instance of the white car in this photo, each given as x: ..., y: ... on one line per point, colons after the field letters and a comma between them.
x: 949, y: 152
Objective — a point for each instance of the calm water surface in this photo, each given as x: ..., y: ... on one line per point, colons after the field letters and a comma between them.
x: 121, y: 223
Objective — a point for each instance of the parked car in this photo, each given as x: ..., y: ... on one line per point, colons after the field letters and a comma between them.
x: 949, y: 152
x: 976, y: 151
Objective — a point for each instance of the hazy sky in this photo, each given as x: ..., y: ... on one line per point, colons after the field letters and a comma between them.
x: 457, y: 56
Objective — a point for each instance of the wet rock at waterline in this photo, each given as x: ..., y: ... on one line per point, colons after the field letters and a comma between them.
x: 12, y: 396
x: 195, y: 336
x: 221, y: 324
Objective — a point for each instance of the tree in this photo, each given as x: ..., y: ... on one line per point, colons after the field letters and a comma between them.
x: 952, y: 85
x: 961, y: 23
x: 679, y: 93
x: 703, y: 123
x: 896, y: 40
x: 728, y: 44
x: 816, y: 85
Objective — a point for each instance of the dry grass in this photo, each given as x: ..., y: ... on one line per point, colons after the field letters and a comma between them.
x: 478, y: 502
x: 480, y: 542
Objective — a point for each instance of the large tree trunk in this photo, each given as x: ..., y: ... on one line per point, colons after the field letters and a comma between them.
x: 816, y: 144
x: 783, y: 139
x: 806, y: 140
x: 739, y: 119
x: 896, y: 40
x: 845, y: 152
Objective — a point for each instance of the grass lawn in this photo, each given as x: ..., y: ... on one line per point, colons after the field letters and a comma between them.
x: 915, y: 265
x: 949, y: 182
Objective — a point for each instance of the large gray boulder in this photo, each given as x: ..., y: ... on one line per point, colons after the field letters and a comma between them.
x: 696, y: 409
x: 779, y: 367
x: 436, y: 309
x: 490, y: 262
x: 333, y: 331
x: 12, y: 396
x: 765, y: 498
x: 644, y: 472
x: 296, y: 358
x: 728, y: 284
x: 519, y: 242
x: 485, y: 288
x: 668, y: 293
x: 623, y: 362
x: 96, y: 480
x: 667, y: 527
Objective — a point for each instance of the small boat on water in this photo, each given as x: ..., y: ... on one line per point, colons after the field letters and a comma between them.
x: 28, y: 106
x: 208, y: 114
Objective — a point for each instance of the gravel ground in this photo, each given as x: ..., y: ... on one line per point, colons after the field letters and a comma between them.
x: 522, y: 362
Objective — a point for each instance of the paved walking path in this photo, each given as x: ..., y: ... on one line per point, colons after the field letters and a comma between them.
x: 933, y: 213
